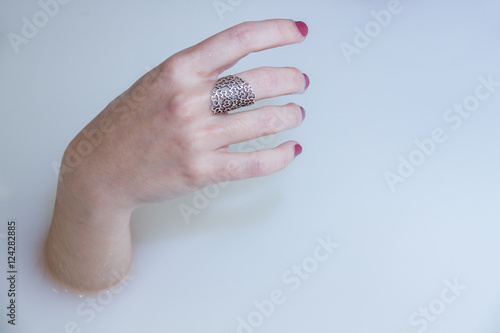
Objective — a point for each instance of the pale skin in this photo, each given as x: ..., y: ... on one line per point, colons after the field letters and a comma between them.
x: 159, y: 140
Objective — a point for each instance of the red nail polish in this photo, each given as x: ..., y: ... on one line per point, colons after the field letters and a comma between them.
x: 307, y: 80
x: 303, y: 113
x: 298, y: 149
x: 303, y: 29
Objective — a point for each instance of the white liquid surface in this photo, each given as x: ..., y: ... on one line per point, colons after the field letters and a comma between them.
x: 398, y: 252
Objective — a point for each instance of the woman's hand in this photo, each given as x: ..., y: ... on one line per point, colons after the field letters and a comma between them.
x: 160, y: 140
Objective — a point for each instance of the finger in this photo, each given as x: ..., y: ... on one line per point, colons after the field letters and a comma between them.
x: 248, y: 125
x: 237, y: 166
x: 221, y: 51
x: 270, y: 82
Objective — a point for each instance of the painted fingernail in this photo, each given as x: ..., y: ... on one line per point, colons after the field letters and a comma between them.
x: 303, y: 113
x: 307, y: 80
x: 303, y: 29
x: 298, y: 150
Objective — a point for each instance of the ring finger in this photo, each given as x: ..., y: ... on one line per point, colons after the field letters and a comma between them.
x: 248, y: 125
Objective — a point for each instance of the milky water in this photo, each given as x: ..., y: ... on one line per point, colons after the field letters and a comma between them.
x: 387, y: 222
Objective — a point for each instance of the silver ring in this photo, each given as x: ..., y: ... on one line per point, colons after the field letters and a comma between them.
x: 230, y: 93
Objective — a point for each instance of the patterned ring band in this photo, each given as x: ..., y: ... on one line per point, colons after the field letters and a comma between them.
x: 230, y: 93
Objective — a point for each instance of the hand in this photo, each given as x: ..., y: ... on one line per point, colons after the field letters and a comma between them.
x: 160, y: 140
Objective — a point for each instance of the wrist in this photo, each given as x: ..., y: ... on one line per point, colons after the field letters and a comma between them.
x: 89, y: 242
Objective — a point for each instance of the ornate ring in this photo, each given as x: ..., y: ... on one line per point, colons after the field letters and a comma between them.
x: 230, y: 93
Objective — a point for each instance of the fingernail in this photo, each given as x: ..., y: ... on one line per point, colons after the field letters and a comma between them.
x: 298, y: 149
x: 307, y: 80
x: 303, y: 113
x: 303, y: 29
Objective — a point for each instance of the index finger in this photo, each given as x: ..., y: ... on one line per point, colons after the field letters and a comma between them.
x: 221, y: 51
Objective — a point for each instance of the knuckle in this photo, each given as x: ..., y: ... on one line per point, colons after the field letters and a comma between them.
x: 194, y: 171
x: 191, y: 155
x: 242, y: 33
x: 267, y: 122
x: 294, y: 114
x: 282, y: 27
x: 283, y: 163
x: 297, y: 78
x: 232, y: 169
x: 256, y: 166
x: 179, y: 106
x: 174, y: 66
x: 178, y: 103
x: 219, y: 175
x: 259, y: 166
x: 280, y: 119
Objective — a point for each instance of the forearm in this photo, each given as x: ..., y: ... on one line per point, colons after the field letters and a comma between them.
x: 89, y: 245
